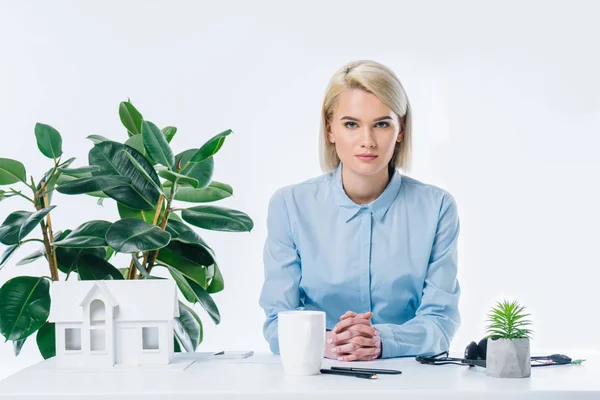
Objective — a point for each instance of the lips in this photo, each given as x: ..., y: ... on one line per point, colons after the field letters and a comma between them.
x: 366, y: 157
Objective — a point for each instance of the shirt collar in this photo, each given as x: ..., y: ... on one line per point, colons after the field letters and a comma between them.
x: 377, y: 207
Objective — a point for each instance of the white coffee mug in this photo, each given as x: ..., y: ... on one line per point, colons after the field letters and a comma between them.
x: 301, y: 341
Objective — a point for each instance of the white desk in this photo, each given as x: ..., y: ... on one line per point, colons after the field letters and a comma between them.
x: 261, y: 377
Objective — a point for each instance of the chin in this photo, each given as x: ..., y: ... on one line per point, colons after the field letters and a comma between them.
x: 366, y: 169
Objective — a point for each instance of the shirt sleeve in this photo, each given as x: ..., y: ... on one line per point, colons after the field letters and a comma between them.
x: 437, y: 318
x: 281, y: 288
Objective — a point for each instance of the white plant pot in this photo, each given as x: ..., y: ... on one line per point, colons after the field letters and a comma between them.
x: 508, y: 358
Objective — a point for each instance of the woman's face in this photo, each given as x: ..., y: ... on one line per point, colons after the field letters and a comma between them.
x: 364, y: 131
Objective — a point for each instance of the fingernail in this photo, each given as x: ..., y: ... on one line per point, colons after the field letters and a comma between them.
x: 376, y: 333
x: 340, y: 358
x: 333, y: 350
x: 334, y: 329
x: 330, y: 340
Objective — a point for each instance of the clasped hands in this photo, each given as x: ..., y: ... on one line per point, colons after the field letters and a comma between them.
x: 353, y: 339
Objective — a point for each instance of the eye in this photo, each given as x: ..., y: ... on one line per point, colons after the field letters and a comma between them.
x: 350, y: 122
x: 385, y: 124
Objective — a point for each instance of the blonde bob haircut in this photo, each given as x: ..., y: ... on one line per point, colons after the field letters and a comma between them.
x: 379, y: 80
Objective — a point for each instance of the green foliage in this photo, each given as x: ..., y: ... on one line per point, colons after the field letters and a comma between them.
x: 144, y: 177
x: 508, y: 320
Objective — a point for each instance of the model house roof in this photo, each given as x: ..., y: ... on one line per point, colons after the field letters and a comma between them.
x: 132, y: 300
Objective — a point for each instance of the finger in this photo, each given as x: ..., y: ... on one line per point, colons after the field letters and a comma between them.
x: 353, y: 331
x: 367, y: 315
x: 361, y: 341
x: 344, y: 348
x: 366, y: 352
x: 349, y: 357
x: 343, y: 337
x: 348, y: 314
x: 345, y: 324
x: 352, y: 314
x: 363, y: 330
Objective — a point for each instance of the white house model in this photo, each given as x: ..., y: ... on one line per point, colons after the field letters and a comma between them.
x: 114, y: 322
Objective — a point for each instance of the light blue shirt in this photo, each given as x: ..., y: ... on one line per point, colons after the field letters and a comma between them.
x: 396, y: 257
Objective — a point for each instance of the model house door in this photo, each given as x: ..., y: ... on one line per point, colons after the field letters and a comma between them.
x: 127, y: 346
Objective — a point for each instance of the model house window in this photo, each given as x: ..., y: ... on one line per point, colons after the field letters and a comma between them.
x: 97, y: 340
x: 72, y: 339
x: 97, y: 316
x: 150, y: 338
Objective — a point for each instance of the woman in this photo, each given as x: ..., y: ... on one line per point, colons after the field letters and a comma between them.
x: 374, y: 249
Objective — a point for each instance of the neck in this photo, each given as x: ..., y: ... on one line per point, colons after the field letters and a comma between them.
x: 363, y: 189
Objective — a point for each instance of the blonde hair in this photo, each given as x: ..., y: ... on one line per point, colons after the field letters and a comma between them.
x: 375, y: 78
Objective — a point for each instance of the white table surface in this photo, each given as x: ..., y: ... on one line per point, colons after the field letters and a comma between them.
x: 261, y: 377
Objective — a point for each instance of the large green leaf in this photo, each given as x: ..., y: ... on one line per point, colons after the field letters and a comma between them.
x: 137, y: 142
x: 217, y: 283
x: 211, y: 146
x: 49, y: 141
x: 130, y: 235
x: 11, y: 171
x: 140, y: 194
x: 181, y: 179
x: 92, y: 268
x: 18, y: 345
x: 169, y: 132
x: 190, y: 260
x: 10, y: 250
x: 142, y: 171
x: 32, y: 221
x: 94, y: 184
x: 19, y: 224
x: 214, y: 192
x: 46, y: 340
x: 131, y: 118
x: 98, y: 139
x: 218, y: 219
x: 156, y: 144
x: 188, y: 328
x: 201, y: 171
x: 182, y: 232
x: 140, y: 267
x: 67, y: 257
x: 205, y: 301
x: 78, y: 172
x: 89, y: 234
x: 24, y: 306
x: 182, y: 284
x: 145, y: 215
x: 9, y: 230
x: 39, y: 253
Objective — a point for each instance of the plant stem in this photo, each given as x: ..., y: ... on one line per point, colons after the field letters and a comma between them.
x: 131, y: 274
x: 163, y: 225
x: 18, y: 193
x: 131, y: 271
x: 51, y: 256
x: 51, y: 235
x: 32, y: 240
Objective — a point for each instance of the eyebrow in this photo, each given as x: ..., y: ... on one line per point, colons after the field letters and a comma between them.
x: 358, y: 120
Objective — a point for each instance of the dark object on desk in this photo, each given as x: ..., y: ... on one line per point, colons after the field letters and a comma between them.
x: 369, y: 370
x: 476, y: 353
x: 363, y: 375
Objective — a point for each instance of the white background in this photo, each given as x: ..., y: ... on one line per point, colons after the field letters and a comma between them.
x: 506, y: 117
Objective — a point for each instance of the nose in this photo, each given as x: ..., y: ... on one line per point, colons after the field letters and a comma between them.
x: 367, y: 138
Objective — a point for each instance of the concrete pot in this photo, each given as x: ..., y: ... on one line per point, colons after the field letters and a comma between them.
x: 508, y: 358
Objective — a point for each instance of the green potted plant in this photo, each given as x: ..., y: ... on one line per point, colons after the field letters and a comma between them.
x: 508, y: 348
x: 147, y: 181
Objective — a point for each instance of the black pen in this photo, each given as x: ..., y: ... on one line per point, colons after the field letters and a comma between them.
x: 369, y: 370
x: 363, y: 375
